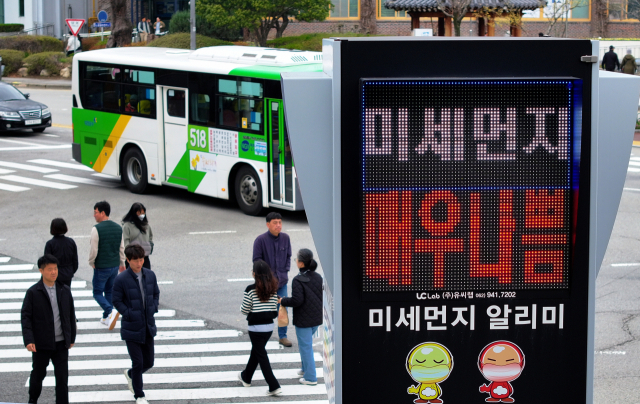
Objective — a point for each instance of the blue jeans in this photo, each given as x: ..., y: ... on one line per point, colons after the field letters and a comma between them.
x: 282, y: 292
x: 305, y: 345
x: 103, y: 283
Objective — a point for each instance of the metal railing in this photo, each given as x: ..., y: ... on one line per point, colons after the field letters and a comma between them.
x: 45, y: 29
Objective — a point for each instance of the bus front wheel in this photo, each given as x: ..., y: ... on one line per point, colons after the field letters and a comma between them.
x: 248, y: 191
x: 134, y: 171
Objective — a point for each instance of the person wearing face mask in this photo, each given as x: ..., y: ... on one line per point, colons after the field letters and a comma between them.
x: 306, y: 300
x: 136, y: 230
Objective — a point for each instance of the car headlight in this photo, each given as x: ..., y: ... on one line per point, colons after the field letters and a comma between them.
x: 9, y: 115
x: 46, y: 111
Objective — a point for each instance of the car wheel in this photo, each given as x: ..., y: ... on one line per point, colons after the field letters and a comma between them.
x: 134, y: 171
x: 248, y: 191
x: 38, y: 130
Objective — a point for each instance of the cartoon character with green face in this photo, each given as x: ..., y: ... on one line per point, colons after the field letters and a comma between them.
x: 428, y: 364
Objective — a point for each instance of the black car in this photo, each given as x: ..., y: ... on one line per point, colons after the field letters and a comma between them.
x: 17, y: 111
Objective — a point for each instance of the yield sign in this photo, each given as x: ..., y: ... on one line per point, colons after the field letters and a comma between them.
x: 74, y: 25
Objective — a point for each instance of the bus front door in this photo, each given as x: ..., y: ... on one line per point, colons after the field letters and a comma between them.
x: 174, y: 102
x: 281, y: 180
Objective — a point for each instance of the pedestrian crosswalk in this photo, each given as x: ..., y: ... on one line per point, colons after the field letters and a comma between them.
x: 194, y: 362
x: 46, y: 174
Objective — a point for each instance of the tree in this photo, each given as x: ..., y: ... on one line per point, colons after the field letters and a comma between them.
x: 599, y: 19
x: 368, y: 13
x: 558, y: 12
x: 121, y: 29
x: 260, y: 16
x: 456, y: 10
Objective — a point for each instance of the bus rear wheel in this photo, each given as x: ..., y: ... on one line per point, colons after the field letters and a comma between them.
x: 248, y: 191
x: 134, y: 171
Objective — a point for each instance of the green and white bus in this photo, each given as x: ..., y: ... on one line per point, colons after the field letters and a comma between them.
x: 210, y: 121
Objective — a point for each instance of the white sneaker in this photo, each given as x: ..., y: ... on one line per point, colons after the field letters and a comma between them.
x: 245, y: 384
x: 129, y: 381
x: 113, y: 319
x: 307, y: 382
x: 275, y: 392
x: 104, y: 321
x: 300, y: 372
x: 141, y: 400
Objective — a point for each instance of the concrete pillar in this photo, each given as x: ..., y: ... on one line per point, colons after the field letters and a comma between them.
x: 448, y: 26
x: 491, y: 29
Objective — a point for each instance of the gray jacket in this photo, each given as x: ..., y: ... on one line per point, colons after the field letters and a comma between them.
x: 131, y: 235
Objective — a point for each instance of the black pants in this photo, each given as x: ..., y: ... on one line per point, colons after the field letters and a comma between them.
x: 141, y: 361
x: 259, y: 356
x: 60, y: 360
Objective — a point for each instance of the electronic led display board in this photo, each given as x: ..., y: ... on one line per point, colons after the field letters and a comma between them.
x: 467, y: 184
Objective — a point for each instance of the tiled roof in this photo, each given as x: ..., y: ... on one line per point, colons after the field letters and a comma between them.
x: 432, y: 5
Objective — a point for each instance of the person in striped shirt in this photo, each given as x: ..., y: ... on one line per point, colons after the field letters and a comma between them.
x: 260, y: 306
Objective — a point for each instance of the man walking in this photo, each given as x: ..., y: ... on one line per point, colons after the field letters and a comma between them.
x: 610, y: 60
x: 144, y: 29
x: 106, y: 257
x: 274, y: 247
x: 628, y: 64
x: 49, y: 329
x: 136, y: 296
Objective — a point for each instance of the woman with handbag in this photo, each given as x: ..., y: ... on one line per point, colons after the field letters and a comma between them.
x: 260, y: 306
x: 136, y: 230
x: 306, y: 300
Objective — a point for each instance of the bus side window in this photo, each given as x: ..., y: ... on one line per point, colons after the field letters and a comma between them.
x: 199, y: 107
x: 229, y: 111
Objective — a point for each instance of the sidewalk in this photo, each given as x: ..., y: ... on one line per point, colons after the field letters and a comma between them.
x: 45, y: 82
x: 636, y: 138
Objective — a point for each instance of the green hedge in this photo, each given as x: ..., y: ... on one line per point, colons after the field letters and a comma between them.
x: 180, y: 22
x: 32, y: 43
x: 309, y: 42
x: 11, y: 27
x: 12, y: 60
x: 45, y: 60
x: 183, y: 41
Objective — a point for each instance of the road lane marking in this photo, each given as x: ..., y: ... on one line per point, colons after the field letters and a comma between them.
x: 76, y: 303
x: 165, y: 282
x: 54, y: 163
x: 49, y: 135
x: 27, y: 285
x: 167, y: 378
x: 633, y: 170
x: 106, y: 176
x: 84, y: 314
x: 4, y: 259
x: 632, y: 189
x: 5, y: 171
x: 213, y: 232
x: 193, y: 394
x: 13, y: 188
x: 16, y: 267
x: 191, y: 361
x: 20, y: 142
x: 43, y: 170
x: 626, y: 264
x: 31, y: 275
x: 20, y: 295
x: 160, y: 336
x: 62, y: 146
x: 94, y: 325
x: 240, y: 280
x: 80, y: 180
x: 634, y: 163
x: 158, y: 349
x: 57, y: 125
x: 41, y: 183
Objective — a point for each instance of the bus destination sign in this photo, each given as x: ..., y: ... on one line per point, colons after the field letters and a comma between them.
x: 468, y: 185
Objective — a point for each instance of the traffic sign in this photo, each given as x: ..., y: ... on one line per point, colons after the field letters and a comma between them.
x: 101, y: 25
x: 103, y: 16
x: 460, y: 213
x: 74, y: 25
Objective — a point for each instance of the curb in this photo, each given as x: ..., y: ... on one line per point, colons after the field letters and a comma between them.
x: 39, y: 85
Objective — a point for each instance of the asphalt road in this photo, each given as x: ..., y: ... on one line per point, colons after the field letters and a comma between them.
x: 200, y: 266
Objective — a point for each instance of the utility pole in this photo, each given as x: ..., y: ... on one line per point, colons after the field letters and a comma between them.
x: 192, y: 6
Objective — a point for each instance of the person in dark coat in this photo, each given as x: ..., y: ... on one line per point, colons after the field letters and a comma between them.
x: 49, y: 329
x: 136, y: 297
x: 274, y: 248
x: 64, y: 249
x: 306, y: 300
x: 610, y: 60
x: 628, y: 64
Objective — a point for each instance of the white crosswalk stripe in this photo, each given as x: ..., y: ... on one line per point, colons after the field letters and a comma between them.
x: 94, y: 325
x: 4, y: 171
x: 80, y: 180
x: 106, y: 176
x: 13, y: 188
x: 84, y: 314
x: 27, y: 285
x: 73, y: 166
x: 26, y: 167
x: 4, y: 259
x: 192, y: 362
x: 16, y: 267
x: 33, y: 181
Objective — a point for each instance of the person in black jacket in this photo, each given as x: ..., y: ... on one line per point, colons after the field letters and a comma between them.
x: 49, y: 329
x: 306, y: 300
x: 136, y: 297
x: 610, y: 60
x: 64, y: 249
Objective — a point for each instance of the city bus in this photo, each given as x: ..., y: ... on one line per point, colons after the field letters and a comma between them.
x: 210, y: 121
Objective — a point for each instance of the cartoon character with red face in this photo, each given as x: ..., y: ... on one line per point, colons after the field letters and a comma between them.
x: 500, y: 362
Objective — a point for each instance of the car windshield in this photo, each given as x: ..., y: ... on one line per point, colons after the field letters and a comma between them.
x: 8, y: 93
